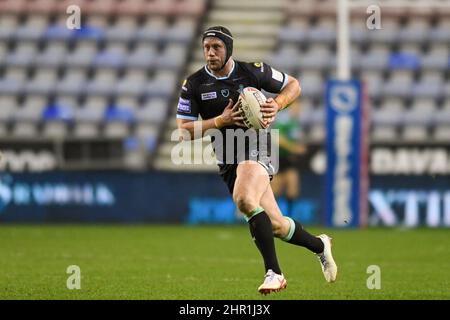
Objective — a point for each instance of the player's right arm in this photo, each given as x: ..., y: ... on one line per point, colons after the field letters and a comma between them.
x: 194, y: 129
x: 188, y: 111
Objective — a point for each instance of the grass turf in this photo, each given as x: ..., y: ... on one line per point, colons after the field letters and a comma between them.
x: 179, y: 262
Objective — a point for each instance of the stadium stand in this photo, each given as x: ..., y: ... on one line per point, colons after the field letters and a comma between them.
x: 117, y: 77
x: 405, y: 66
x: 112, y: 79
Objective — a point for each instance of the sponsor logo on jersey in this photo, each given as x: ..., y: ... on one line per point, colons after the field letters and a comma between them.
x: 209, y: 95
x: 225, y: 93
x: 259, y: 65
x: 184, y: 105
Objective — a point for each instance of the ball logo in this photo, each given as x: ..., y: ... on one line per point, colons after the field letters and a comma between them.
x: 258, y: 97
x: 343, y: 98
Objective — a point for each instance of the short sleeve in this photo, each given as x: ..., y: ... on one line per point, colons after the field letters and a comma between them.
x: 270, y: 79
x: 187, y: 105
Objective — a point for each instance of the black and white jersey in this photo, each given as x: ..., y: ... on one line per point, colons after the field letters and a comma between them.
x: 205, y: 95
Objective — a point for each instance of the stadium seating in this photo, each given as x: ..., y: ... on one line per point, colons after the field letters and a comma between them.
x: 113, y: 78
x: 405, y: 66
x: 117, y: 77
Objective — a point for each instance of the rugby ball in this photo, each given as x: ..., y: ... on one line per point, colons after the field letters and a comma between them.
x: 250, y: 103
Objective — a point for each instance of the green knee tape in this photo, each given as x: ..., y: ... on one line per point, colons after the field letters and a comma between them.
x: 254, y: 213
x: 291, y: 230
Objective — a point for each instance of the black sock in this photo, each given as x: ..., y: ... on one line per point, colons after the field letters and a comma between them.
x: 261, y: 231
x: 303, y: 238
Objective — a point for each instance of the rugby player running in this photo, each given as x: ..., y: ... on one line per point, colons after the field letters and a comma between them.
x: 212, y: 93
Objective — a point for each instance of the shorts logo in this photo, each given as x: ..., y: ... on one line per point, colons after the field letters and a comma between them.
x: 254, y: 153
x: 209, y: 95
x: 225, y: 93
x: 184, y: 105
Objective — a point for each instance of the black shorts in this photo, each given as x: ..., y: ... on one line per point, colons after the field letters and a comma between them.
x: 292, y: 162
x: 289, y: 162
x: 228, y: 172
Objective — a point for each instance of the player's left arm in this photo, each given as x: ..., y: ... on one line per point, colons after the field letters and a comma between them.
x: 287, y: 95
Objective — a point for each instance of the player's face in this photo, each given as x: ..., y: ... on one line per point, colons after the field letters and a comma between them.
x: 215, y: 52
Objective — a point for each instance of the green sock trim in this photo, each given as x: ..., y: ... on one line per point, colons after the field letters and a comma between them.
x: 253, y: 213
x: 291, y: 230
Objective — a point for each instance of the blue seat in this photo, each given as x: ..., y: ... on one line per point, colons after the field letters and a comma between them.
x: 58, y: 32
x: 109, y: 59
x: 88, y: 33
x: 403, y: 60
x: 54, y: 112
x: 119, y: 114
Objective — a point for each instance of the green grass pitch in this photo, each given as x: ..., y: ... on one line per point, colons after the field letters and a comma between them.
x: 214, y: 262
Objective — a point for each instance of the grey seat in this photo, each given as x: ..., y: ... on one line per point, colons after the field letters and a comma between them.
x: 52, y: 56
x: 25, y: 129
x: 8, y: 104
x: 317, y: 57
x: 43, y: 82
x: 23, y: 56
x: 172, y: 57
x: 154, y: 111
x: 162, y: 84
x: 133, y: 83
x: 182, y: 31
x: 73, y: 82
x: 384, y: 133
x: 287, y: 58
x: 437, y: 58
x: 116, y: 129
x: 82, y: 56
x: 416, y: 31
x: 55, y: 129
x: 32, y: 109
x: 388, y: 34
x: 415, y: 133
x: 430, y: 85
x: 376, y: 59
x: 399, y: 84
x: 144, y: 56
x: 311, y: 83
x: 442, y: 133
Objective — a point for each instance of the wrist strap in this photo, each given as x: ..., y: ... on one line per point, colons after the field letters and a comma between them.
x: 218, y: 122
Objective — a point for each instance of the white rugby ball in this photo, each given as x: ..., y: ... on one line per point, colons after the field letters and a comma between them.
x: 250, y: 104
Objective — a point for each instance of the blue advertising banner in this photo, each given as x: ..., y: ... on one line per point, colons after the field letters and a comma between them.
x: 102, y: 196
x: 345, y: 175
x: 202, y: 198
x: 124, y: 197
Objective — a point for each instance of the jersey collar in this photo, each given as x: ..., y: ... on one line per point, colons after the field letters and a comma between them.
x: 221, y: 78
